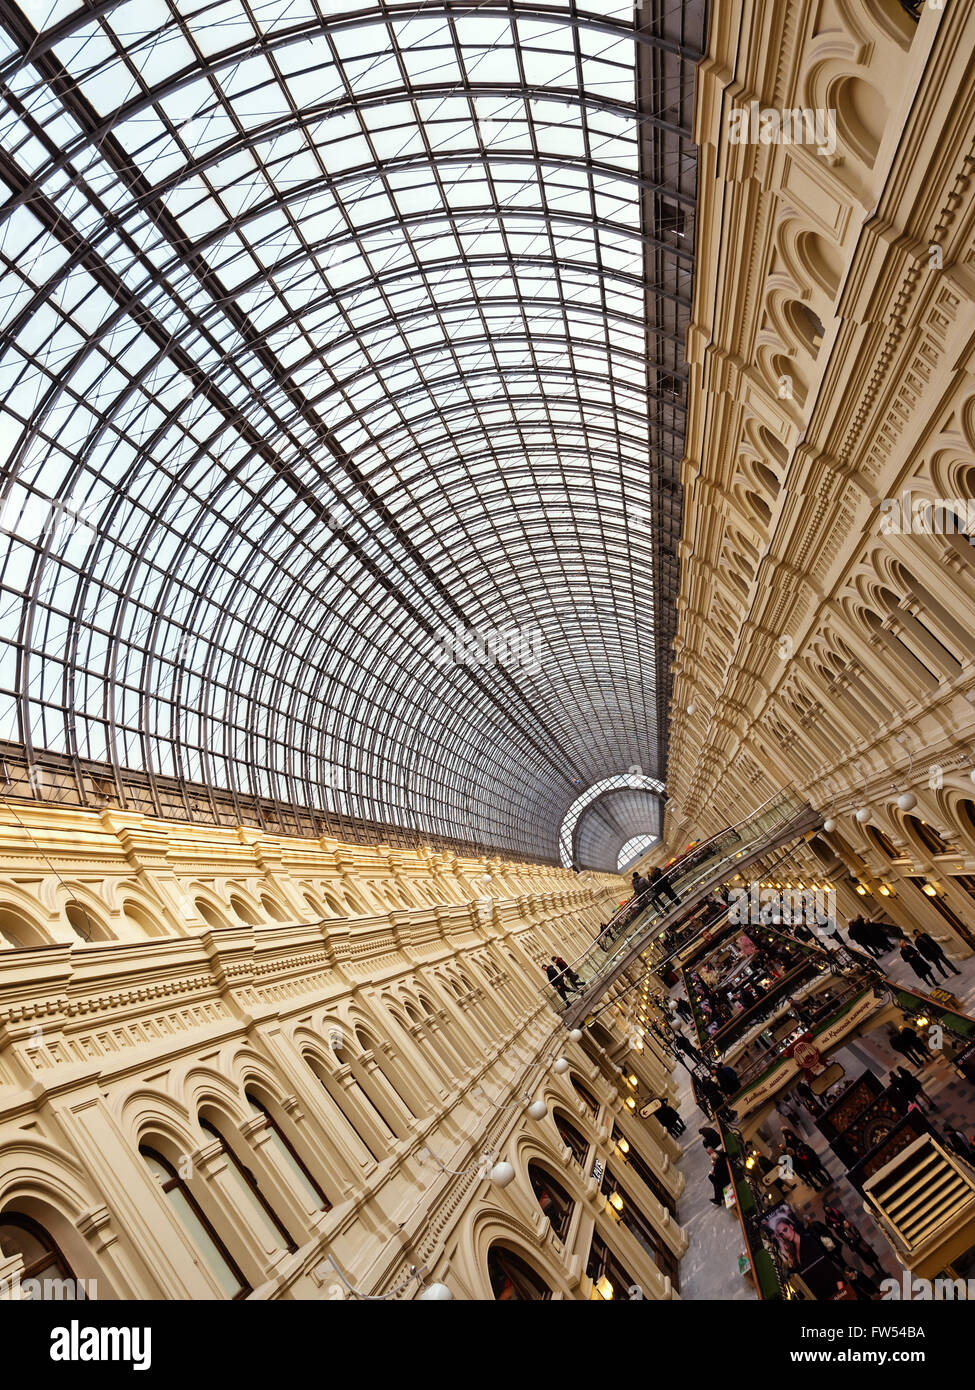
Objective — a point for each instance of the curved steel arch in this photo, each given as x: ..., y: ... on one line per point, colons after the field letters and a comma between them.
x: 610, y: 822
x: 380, y: 541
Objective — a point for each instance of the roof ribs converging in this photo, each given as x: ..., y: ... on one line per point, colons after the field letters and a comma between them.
x: 334, y: 472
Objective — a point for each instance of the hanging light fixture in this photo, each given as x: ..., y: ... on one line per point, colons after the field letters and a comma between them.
x: 538, y: 1110
x: 575, y: 1035
x: 906, y: 801
x: 829, y: 824
x: 501, y: 1174
x: 560, y: 1066
x: 435, y: 1293
x: 863, y: 814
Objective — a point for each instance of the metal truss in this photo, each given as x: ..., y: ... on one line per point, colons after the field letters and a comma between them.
x: 342, y: 404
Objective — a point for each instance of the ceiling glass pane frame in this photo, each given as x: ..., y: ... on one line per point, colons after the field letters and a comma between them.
x: 323, y: 342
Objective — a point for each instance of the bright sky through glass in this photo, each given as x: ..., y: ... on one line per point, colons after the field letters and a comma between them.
x: 323, y: 340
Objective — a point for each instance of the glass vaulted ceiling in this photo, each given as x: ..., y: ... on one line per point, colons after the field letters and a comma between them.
x: 331, y: 335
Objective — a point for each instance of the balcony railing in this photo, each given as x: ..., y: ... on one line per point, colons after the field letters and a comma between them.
x: 702, y: 868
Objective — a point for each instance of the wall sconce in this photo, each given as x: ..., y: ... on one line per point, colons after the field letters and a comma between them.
x: 631, y: 1103
x: 930, y: 890
x: 616, y: 1201
x: 623, y: 1146
x: 604, y: 1288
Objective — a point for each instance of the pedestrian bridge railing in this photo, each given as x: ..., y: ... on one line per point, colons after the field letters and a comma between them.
x: 637, y: 923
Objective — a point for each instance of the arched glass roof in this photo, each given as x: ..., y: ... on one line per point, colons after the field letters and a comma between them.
x: 341, y: 402
x: 633, y: 850
x: 610, y: 820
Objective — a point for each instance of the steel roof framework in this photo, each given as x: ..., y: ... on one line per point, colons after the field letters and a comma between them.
x: 324, y: 341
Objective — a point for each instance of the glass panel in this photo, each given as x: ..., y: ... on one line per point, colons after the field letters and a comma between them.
x: 324, y: 385
x: 198, y: 1233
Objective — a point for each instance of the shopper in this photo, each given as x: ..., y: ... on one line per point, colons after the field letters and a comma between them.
x: 808, y: 1097
x: 568, y: 974
x: 728, y: 1080
x: 911, y: 956
x: 845, y: 1230
x: 958, y: 1142
x: 719, y: 1176
x: 670, y: 1119
x: 659, y: 884
x: 710, y: 1137
x: 858, y: 932
x: 901, y: 1043
x: 908, y: 1085
x: 555, y: 978
x: 930, y: 949
x: 682, y: 1045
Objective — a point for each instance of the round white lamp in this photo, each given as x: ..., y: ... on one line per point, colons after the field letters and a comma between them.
x: 906, y: 801
x: 502, y: 1174
x: 864, y: 814
x: 560, y: 1066
x: 691, y: 707
x: 436, y: 1293
x: 972, y: 774
x: 538, y: 1110
x: 575, y: 1035
x: 829, y: 824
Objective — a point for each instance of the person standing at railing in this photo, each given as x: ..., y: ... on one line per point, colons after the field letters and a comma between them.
x: 658, y: 884
x: 570, y: 975
x: 555, y: 978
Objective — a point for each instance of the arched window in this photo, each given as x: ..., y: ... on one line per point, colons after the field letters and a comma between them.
x: 42, y: 1260
x: 183, y: 1205
x: 513, y: 1279
x: 142, y: 919
x: 553, y: 1199
x: 639, y: 1225
x: 209, y: 914
x: 288, y: 1158
x: 573, y: 1138
x: 883, y: 842
x: 241, y: 910
x: 16, y: 931
x: 610, y: 1279
x: 587, y: 1097
x: 928, y: 836
x: 629, y: 1155
x: 83, y: 924
x: 273, y: 910
x: 385, y: 1074
x: 249, y: 1200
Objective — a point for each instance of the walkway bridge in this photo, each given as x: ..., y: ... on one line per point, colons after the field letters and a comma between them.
x: 632, y: 929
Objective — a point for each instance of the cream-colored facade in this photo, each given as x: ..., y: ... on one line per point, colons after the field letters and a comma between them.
x: 345, y: 1061
x: 357, y: 1027
x: 826, y: 639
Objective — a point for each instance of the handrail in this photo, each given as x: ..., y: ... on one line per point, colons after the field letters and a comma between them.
x: 776, y: 814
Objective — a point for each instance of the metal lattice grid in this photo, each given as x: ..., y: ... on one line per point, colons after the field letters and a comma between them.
x: 335, y: 474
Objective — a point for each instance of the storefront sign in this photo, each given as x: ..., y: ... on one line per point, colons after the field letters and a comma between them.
x: 805, y: 1054
x: 598, y: 1169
